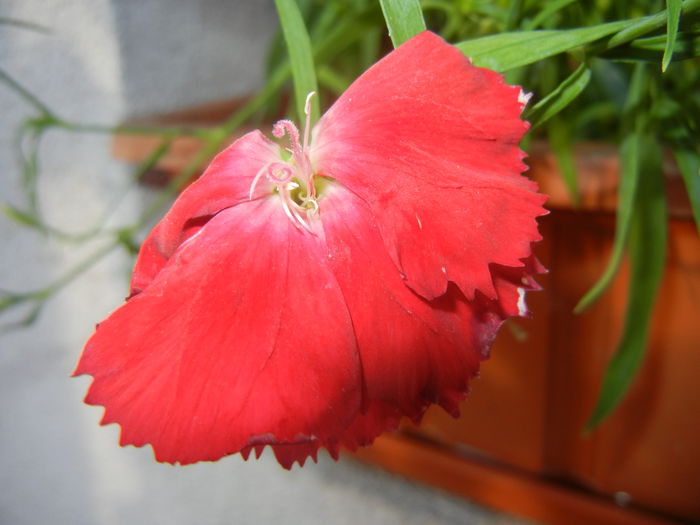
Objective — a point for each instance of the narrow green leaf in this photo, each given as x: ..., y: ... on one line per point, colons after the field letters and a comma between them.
x: 514, y: 13
x: 630, y: 152
x: 673, y: 20
x: 514, y: 49
x: 688, y: 160
x: 22, y: 217
x: 300, y: 57
x: 25, y: 93
x: 24, y: 25
x: 331, y: 80
x: 629, y: 178
x: 559, y: 136
x: 560, y: 97
x: 546, y: 13
x: 27, y: 143
x: 404, y: 19
x: 510, y: 50
x: 685, y: 41
x: 647, y: 24
x: 647, y: 250
x: 687, y: 45
x: 26, y: 320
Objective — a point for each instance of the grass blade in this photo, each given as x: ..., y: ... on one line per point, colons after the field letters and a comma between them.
x: 510, y: 50
x: 649, y: 23
x: 559, y: 136
x: 300, y: 57
x: 547, y: 12
x: 647, y: 250
x: 630, y: 165
x: 629, y: 178
x: 514, y: 49
x: 560, y: 97
x: 673, y: 19
x: 688, y: 160
x: 404, y: 19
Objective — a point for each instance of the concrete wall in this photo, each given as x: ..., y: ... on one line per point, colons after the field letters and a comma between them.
x: 100, y: 62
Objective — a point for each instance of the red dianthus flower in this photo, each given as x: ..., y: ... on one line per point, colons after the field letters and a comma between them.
x: 312, y: 297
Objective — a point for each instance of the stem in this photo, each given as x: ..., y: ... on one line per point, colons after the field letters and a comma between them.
x: 24, y: 93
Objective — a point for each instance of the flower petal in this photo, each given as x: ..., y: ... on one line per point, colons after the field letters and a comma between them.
x: 242, y: 339
x: 414, y: 352
x: 378, y: 418
x: 226, y: 182
x: 429, y: 141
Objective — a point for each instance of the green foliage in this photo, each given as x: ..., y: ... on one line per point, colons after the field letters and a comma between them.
x: 560, y: 97
x: 404, y: 19
x: 672, y: 21
x: 630, y: 162
x: 584, y: 62
x: 647, y: 250
x: 521, y: 48
x: 300, y: 57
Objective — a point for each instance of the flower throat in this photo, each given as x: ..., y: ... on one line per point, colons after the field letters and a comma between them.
x: 294, y: 178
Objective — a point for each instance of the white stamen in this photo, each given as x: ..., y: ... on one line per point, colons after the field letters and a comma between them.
x: 307, y: 112
x: 300, y: 220
x: 256, y: 179
x: 420, y: 224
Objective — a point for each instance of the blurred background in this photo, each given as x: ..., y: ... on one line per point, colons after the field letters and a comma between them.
x: 74, y: 69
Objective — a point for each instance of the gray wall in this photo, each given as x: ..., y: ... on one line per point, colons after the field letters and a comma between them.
x: 101, y: 62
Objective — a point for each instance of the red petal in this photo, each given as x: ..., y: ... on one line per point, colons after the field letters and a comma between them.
x: 414, y: 352
x: 378, y: 418
x: 225, y: 183
x: 242, y: 339
x: 288, y: 454
x: 430, y: 143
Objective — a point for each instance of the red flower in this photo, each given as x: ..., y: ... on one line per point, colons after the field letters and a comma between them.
x: 310, y: 300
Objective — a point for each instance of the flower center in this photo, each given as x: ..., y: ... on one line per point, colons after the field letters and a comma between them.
x: 293, y: 178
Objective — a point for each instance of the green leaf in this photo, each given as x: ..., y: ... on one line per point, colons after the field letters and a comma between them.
x: 514, y: 13
x: 404, y: 19
x: 26, y: 320
x: 332, y: 80
x: 27, y: 95
x: 510, y: 50
x: 559, y: 136
x: 22, y: 217
x: 300, y: 57
x: 647, y: 250
x: 647, y: 24
x: 686, y: 41
x: 687, y: 45
x: 559, y: 98
x: 629, y: 178
x: 688, y: 160
x: 546, y: 13
x: 514, y: 49
x: 630, y: 152
x: 24, y: 25
x: 673, y: 20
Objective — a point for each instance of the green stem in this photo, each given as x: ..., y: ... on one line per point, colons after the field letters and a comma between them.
x: 24, y: 93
